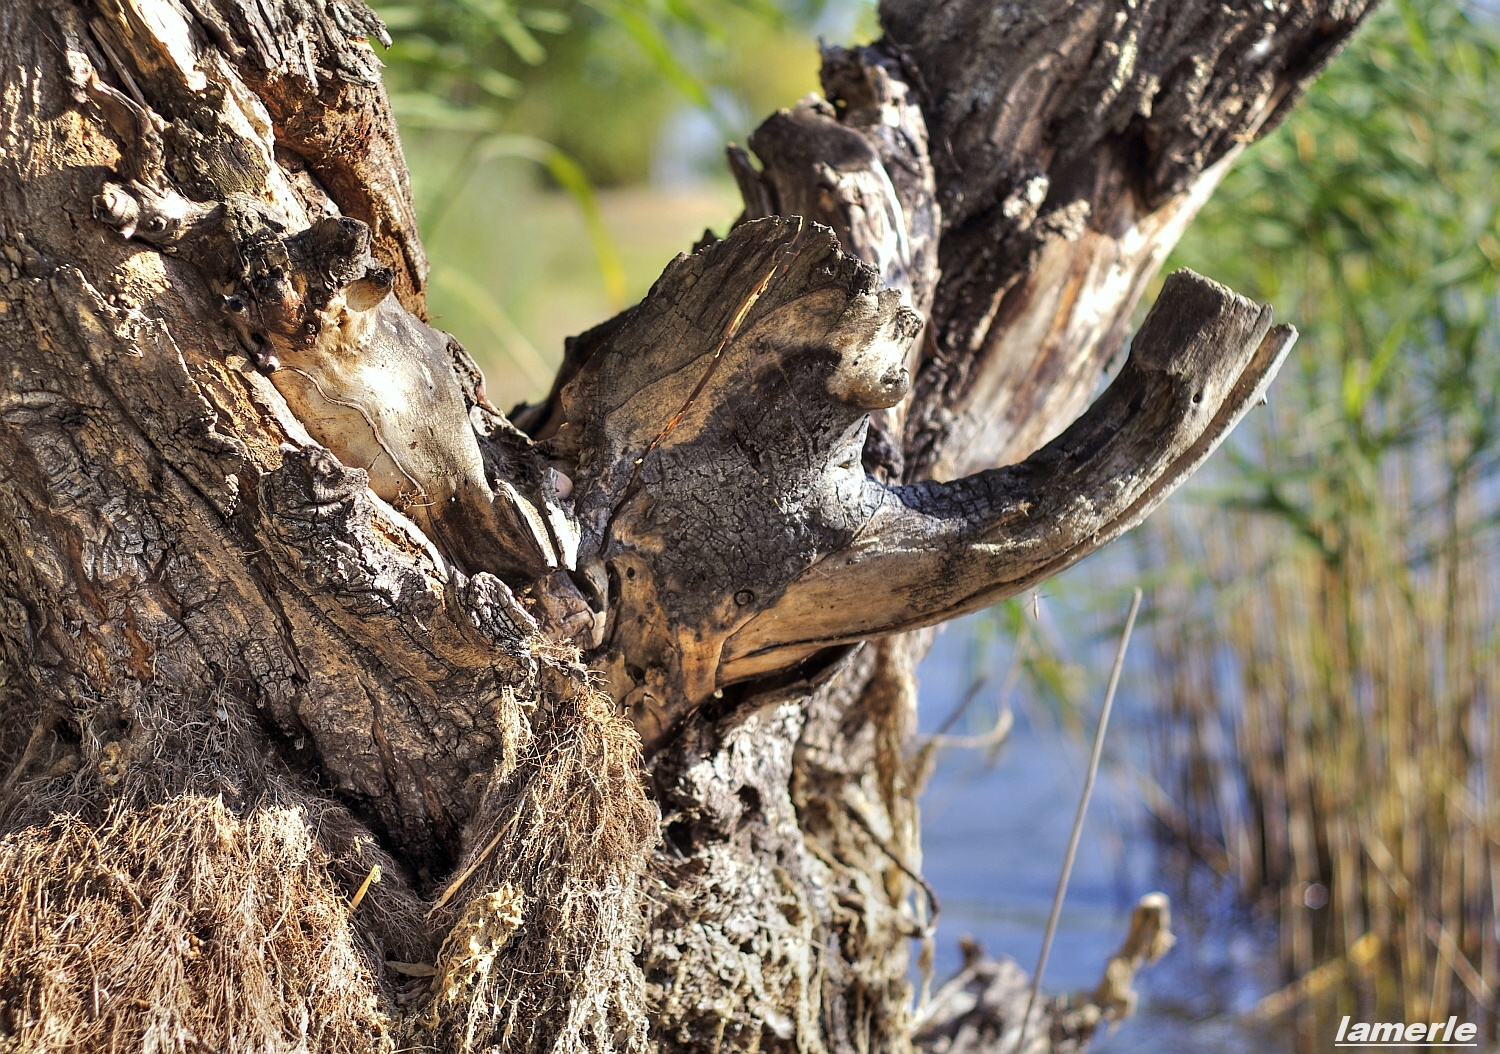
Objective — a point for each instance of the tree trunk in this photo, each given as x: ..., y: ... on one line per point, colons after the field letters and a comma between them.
x: 339, y: 711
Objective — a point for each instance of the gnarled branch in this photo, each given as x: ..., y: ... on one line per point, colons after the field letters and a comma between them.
x: 720, y: 485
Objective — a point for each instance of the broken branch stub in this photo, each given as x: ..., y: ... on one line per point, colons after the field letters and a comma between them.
x: 716, y: 432
x: 857, y: 161
x: 932, y: 551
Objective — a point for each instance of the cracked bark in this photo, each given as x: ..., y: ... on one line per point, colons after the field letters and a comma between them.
x: 617, y: 692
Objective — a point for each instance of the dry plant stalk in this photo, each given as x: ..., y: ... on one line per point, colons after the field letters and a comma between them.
x: 1350, y: 748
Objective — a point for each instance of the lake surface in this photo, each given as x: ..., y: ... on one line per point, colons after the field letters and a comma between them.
x: 994, y: 836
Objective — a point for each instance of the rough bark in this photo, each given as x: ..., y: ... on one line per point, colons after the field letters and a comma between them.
x: 614, y: 699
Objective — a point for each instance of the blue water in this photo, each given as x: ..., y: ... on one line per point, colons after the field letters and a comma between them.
x: 994, y: 836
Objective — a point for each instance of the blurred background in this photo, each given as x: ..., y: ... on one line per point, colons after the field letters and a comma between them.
x: 1307, y: 744
x: 561, y: 154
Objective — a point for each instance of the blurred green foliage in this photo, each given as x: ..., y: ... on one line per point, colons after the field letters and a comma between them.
x: 595, y: 78
x: 1327, y: 663
x: 503, y: 104
x: 1370, y: 221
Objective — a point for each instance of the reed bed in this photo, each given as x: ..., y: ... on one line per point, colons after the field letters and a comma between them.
x: 1328, y: 660
x: 1332, y: 730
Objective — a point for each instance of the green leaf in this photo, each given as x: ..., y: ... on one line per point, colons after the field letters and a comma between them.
x: 420, y: 109
x: 498, y: 84
x: 653, y: 43
x: 545, y: 20
x: 398, y: 18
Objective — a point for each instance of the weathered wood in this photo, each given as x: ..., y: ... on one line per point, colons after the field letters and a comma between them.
x: 858, y: 163
x: 734, y: 537
x: 983, y: 1008
x: 933, y: 551
x: 863, y: 729
x: 697, y: 494
x: 1072, y: 144
x: 163, y: 359
x: 276, y: 574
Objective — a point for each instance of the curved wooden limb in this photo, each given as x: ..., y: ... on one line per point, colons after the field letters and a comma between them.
x: 722, y: 496
x: 714, y: 435
x: 932, y: 551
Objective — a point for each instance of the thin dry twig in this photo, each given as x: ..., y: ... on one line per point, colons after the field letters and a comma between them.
x: 364, y: 887
x: 1083, y: 807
